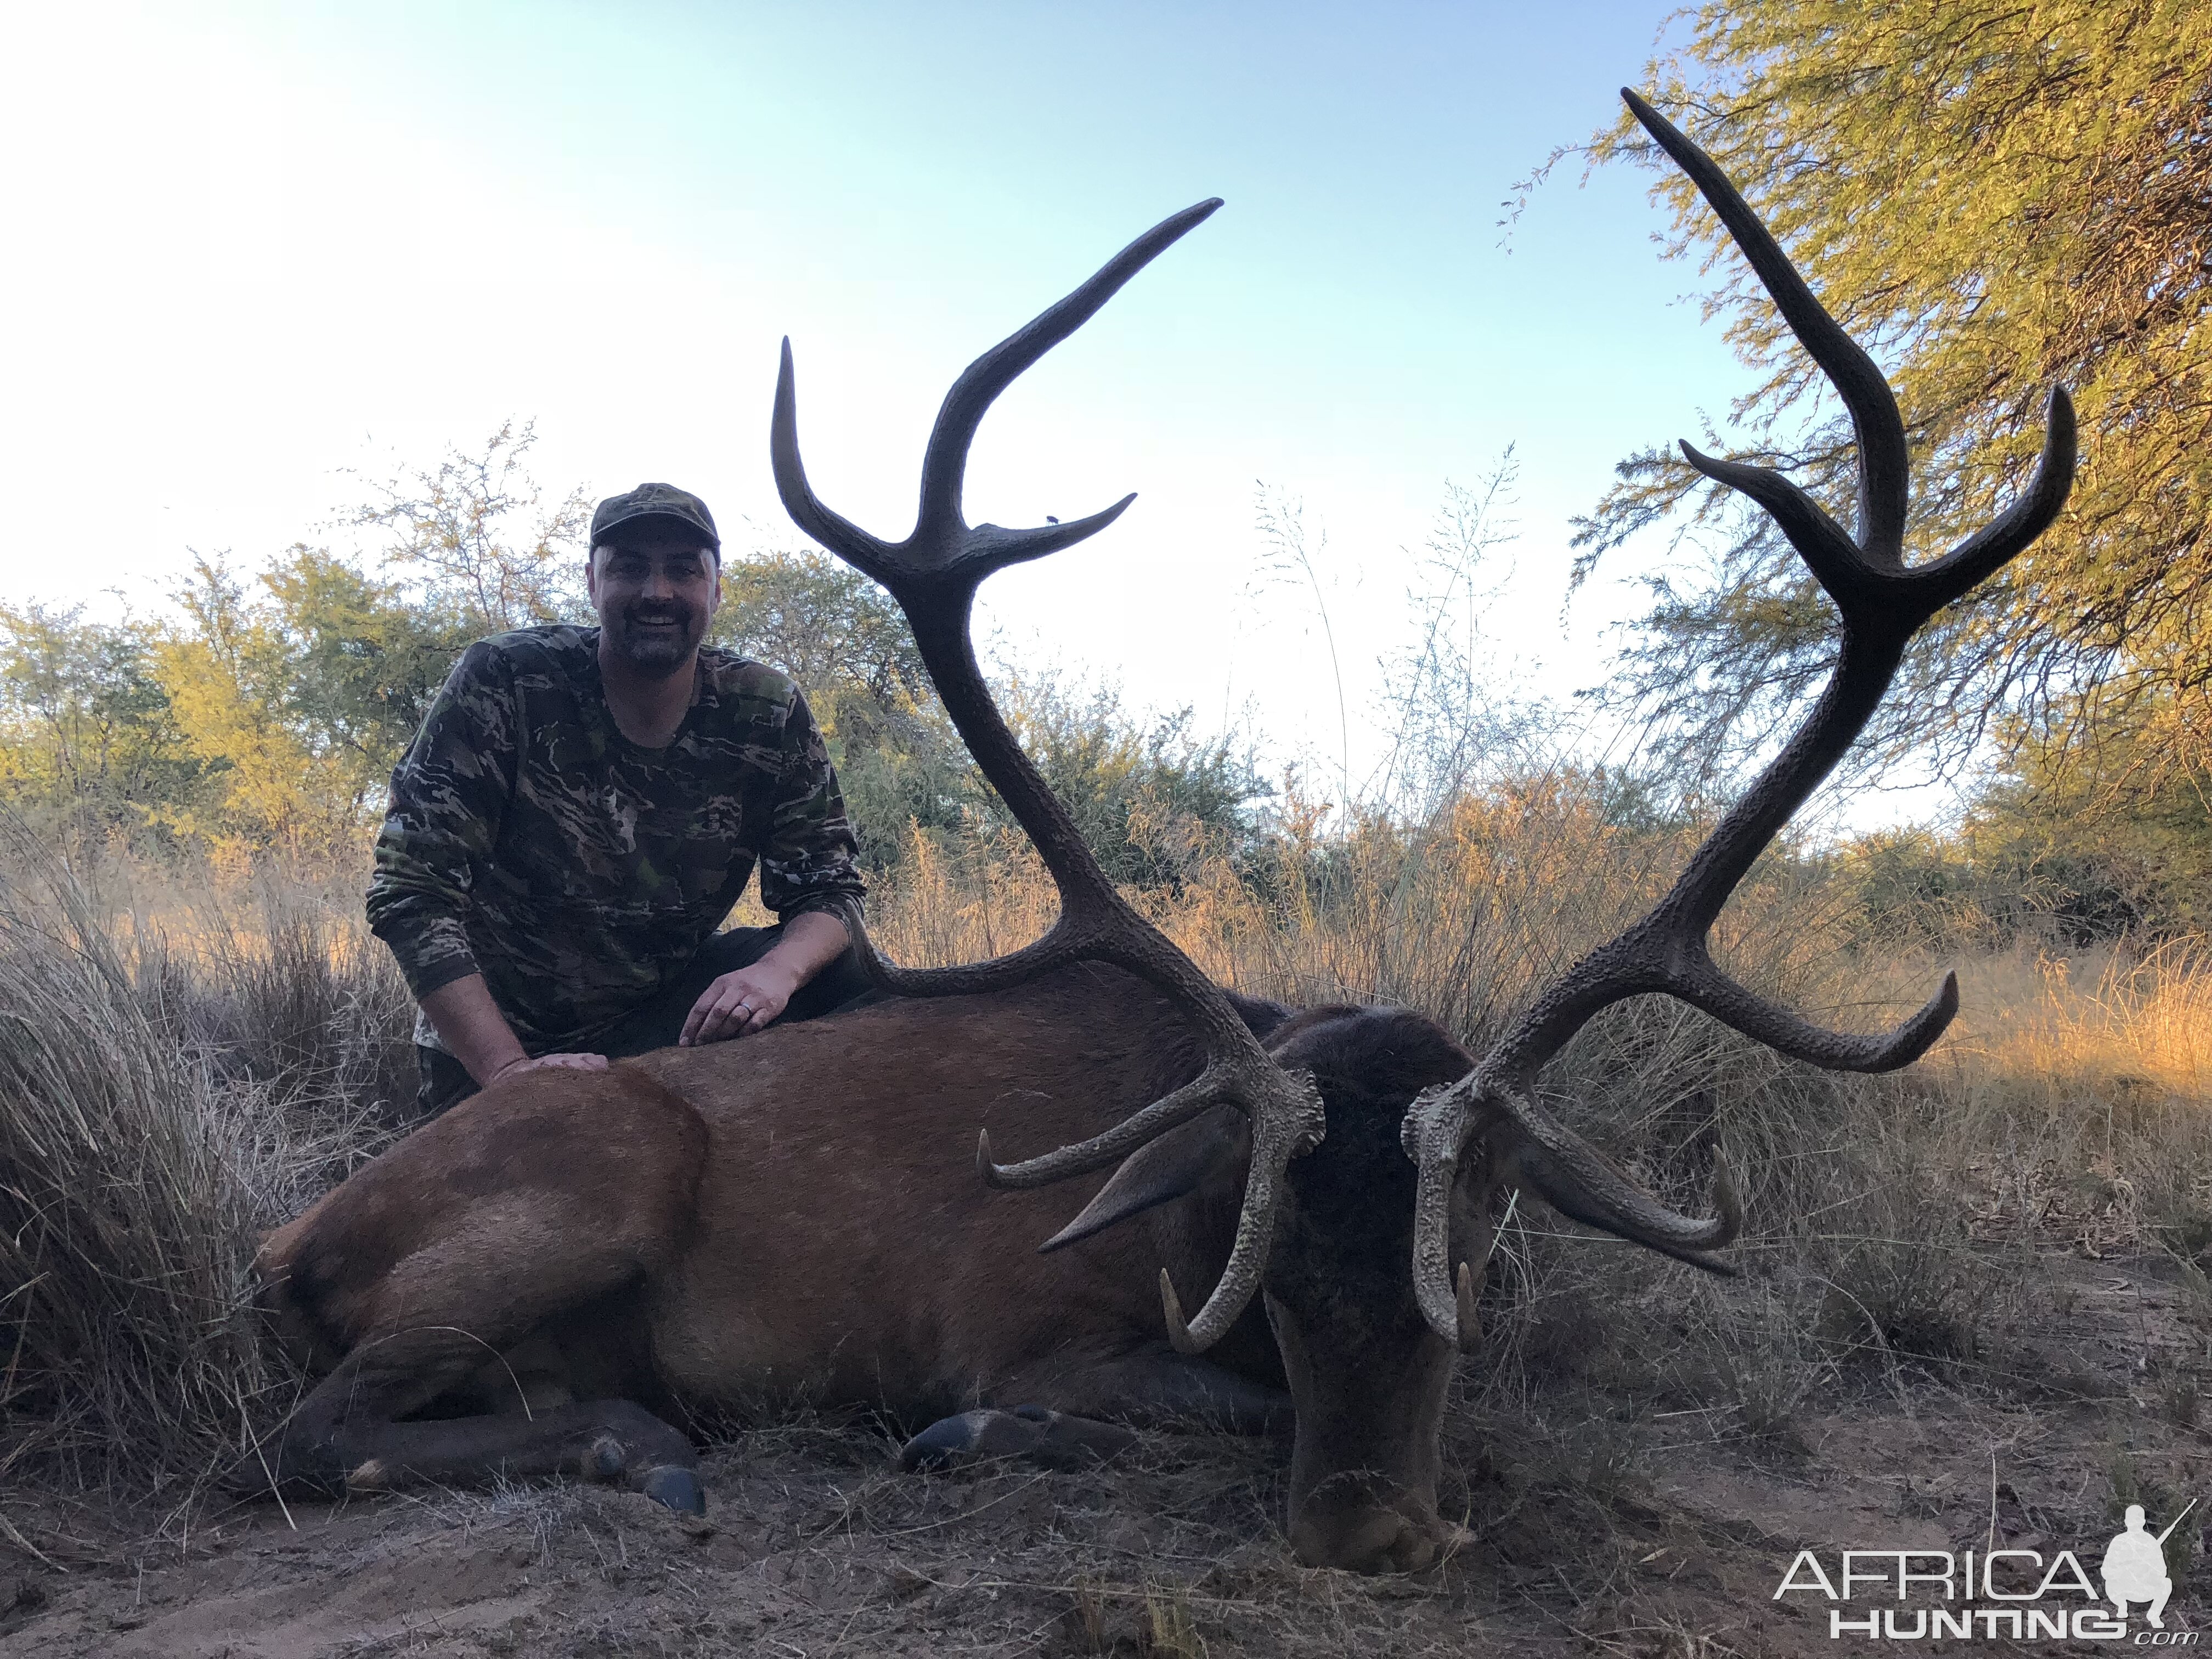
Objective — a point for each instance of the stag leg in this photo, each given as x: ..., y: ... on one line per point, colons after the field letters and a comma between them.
x: 550, y: 1205
x: 1034, y: 1434
x: 1102, y: 1407
x: 352, y: 1434
x: 600, y: 1440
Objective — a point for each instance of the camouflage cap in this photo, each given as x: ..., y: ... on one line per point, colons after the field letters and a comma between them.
x: 653, y: 501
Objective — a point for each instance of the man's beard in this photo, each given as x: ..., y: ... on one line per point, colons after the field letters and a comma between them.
x: 656, y: 639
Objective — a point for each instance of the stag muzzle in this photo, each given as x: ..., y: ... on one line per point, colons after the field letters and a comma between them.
x: 1364, y: 1465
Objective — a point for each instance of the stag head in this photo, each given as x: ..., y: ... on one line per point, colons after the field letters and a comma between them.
x: 1367, y: 1351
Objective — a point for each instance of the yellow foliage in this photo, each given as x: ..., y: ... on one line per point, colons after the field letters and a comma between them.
x: 2106, y: 1026
x: 272, y: 788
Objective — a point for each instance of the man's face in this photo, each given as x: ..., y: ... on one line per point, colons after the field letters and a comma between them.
x: 655, y: 591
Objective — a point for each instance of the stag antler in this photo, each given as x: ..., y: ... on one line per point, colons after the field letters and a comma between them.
x: 1883, y: 602
x: 933, y: 574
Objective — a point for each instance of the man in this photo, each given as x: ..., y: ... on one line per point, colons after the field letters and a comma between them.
x: 581, y: 809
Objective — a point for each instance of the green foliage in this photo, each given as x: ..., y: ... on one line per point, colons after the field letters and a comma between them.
x: 233, y: 667
x: 1150, y: 798
x: 1994, y: 198
x: 844, y: 639
x: 1913, y: 886
x: 2070, y: 846
x: 367, y: 658
x: 268, y: 710
x: 298, y: 698
x: 823, y: 623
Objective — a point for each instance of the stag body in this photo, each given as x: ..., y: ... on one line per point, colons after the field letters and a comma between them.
x: 699, y: 1230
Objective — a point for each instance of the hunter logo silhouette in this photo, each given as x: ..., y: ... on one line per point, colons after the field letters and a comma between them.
x: 2135, y: 1566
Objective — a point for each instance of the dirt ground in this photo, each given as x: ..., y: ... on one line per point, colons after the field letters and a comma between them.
x: 1598, y: 1528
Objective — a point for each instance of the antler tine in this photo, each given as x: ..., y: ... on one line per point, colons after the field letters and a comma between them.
x: 869, y: 555
x: 1819, y: 541
x: 933, y: 574
x: 892, y: 563
x: 1169, y: 1111
x: 1703, y: 985
x: 1882, y: 603
x: 1883, y: 467
x: 1055, y: 949
x: 942, y: 540
x: 1989, y: 549
x: 1572, y: 1176
x: 945, y: 464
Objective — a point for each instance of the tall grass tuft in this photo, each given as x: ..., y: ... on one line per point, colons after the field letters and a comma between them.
x: 161, y: 1103
x: 2104, y: 1021
x: 126, y: 1182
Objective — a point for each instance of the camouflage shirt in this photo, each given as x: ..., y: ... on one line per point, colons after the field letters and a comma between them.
x: 531, y: 842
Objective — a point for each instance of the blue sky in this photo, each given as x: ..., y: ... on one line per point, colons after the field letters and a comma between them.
x: 262, y: 245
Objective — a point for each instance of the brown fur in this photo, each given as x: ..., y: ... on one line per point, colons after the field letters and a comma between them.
x: 798, y: 1214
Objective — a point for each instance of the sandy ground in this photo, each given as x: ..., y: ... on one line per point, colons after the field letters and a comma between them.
x: 1599, y: 1529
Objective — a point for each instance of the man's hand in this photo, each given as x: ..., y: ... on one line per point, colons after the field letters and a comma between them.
x: 548, y: 1063
x: 745, y: 1001
x: 479, y: 1036
x: 751, y: 999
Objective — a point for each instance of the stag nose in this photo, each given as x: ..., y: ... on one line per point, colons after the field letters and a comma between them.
x: 1368, y: 1537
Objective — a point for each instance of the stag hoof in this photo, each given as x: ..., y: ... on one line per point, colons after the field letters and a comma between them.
x: 1050, y: 1439
x: 945, y: 1445
x: 604, y: 1460
x: 371, y: 1476
x: 676, y: 1487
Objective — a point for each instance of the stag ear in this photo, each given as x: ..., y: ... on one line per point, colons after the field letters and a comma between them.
x: 1158, y: 1172
x: 1574, y: 1194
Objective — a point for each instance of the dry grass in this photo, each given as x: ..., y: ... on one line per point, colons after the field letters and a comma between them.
x: 1461, y: 918
x: 2108, y: 1025
x: 187, y: 1058
x: 165, y: 1093
x: 2076, y: 1099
